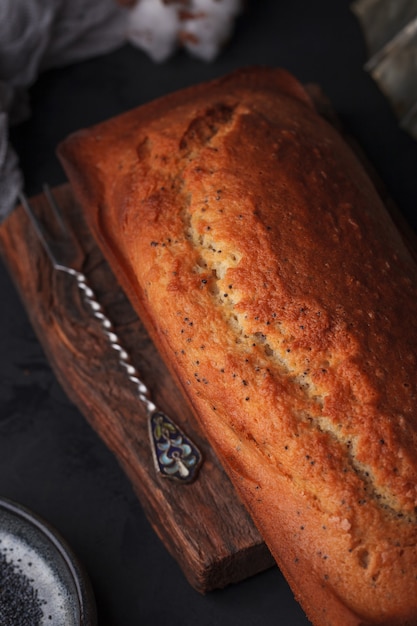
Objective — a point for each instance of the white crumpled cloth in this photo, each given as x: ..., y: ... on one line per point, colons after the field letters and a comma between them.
x: 39, y: 34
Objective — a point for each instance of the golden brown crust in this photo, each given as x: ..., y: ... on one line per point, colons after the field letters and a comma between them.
x: 276, y: 286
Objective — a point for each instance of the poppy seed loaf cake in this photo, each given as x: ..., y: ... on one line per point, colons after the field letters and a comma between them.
x: 275, y: 285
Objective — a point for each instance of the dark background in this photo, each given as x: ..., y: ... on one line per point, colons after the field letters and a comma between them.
x: 50, y: 459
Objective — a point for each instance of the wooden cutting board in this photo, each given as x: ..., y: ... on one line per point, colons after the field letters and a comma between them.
x: 203, y: 524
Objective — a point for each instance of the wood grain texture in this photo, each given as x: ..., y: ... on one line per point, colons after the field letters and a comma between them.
x: 203, y: 525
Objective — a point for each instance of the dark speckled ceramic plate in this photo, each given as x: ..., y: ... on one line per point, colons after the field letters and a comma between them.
x: 41, y: 581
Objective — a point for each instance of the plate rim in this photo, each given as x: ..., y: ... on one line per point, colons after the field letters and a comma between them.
x: 82, y: 583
